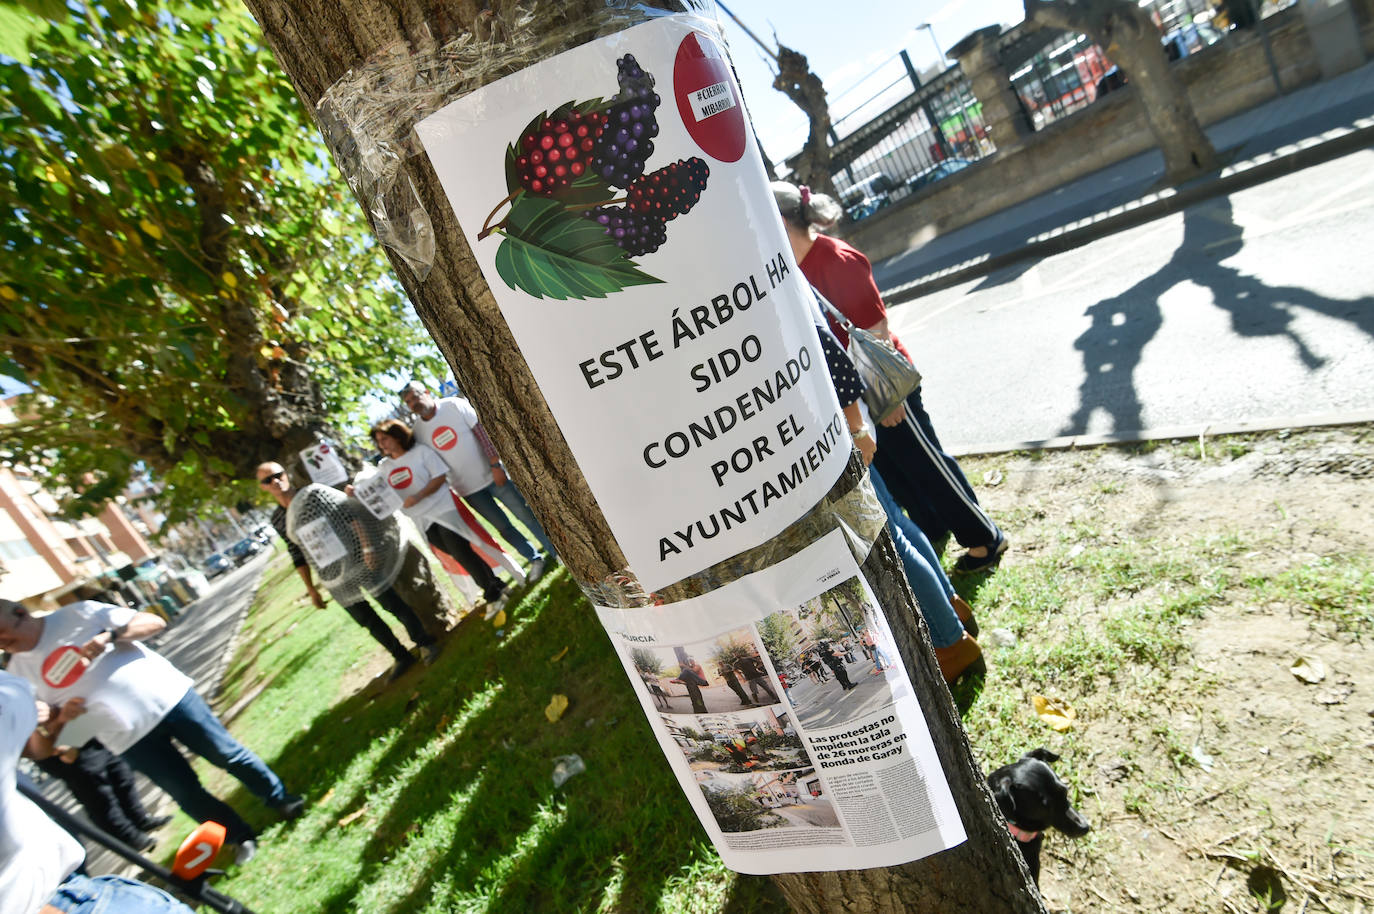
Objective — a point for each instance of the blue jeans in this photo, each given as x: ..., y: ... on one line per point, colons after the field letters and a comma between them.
x: 195, y: 726
x: 923, y: 571
x: 484, y: 503
x: 113, y: 895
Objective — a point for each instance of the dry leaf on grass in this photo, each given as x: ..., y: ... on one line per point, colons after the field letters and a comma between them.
x: 1308, y: 669
x: 1055, y: 712
x: 353, y: 816
x: 557, y: 705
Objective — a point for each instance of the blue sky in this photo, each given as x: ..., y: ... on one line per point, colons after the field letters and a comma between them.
x: 845, y: 43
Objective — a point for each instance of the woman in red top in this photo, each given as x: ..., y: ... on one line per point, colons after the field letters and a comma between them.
x: 921, y: 476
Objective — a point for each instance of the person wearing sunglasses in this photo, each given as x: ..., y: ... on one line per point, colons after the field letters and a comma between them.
x: 366, y: 557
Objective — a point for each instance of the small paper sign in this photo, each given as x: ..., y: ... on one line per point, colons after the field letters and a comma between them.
x: 321, y: 543
x: 377, y: 496
x: 323, y: 465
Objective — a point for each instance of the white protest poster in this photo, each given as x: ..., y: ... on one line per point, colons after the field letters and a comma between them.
x: 323, y: 465
x: 376, y: 495
x: 783, y: 708
x: 618, y: 207
x: 321, y: 543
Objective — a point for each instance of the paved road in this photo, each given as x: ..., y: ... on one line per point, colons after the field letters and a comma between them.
x: 1256, y: 305
x: 1293, y: 118
x: 197, y: 644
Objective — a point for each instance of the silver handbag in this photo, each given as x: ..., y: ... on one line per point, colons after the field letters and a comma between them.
x: 889, y: 378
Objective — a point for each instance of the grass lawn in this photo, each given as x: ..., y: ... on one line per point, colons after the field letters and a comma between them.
x: 434, y: 793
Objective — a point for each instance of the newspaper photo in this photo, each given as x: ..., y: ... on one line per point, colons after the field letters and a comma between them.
x: 784, y: 709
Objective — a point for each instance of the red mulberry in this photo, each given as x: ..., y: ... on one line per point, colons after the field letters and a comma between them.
x: 559, y: 152
x: 671, y: 191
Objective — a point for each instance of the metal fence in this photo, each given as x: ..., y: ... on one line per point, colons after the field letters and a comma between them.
x: 938, y: 127
x: 935, y: 129
x: 1057, y: 73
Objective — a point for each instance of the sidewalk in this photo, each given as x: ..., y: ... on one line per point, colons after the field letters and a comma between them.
x: 1319, y: 122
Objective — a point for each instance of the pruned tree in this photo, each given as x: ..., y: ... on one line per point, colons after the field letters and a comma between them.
x: 795, y: 80
x: 185, y: 283
x: 1129, y: 36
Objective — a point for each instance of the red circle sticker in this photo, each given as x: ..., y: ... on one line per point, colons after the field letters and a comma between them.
x: 445, y: 438
x: 707, y: 99
x: 64, y: 666
x: 400, y: 478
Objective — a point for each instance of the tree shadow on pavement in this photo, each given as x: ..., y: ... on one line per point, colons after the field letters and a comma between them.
x: 1124, y: 324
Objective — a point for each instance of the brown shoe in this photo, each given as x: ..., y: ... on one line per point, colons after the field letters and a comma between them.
x: 959, y: 658
x: 965, y: 614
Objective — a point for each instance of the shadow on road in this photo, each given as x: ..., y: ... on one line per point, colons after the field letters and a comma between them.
x: 1123, y: 324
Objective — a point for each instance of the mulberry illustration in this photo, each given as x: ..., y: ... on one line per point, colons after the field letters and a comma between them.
x: 631, y: 125
x: 635, y: 233
x: 580, y: 202
x: 559, y: 152
x: 671, y: 191
x: 634, y: 81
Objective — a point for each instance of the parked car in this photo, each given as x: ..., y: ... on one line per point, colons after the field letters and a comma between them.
x: 217, y: 564
x: 1189, y: 39
x: 244, y: 550
x: 935, y: 173
x: 867, y: 197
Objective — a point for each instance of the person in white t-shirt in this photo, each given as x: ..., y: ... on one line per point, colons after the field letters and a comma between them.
x: 39, y: 860
x: 452, y: 428
x: 85, y: 660
x: 418, y: 475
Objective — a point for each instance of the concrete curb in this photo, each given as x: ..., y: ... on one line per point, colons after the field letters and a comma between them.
x: 1330, y: 145
x: 1192, y: 430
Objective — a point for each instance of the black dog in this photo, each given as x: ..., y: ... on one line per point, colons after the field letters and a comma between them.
x: 1032, y: 799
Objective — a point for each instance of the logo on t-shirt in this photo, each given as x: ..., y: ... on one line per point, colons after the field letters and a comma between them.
x: 64, y: 666
x: 445, y: 437
x: 400, y: 478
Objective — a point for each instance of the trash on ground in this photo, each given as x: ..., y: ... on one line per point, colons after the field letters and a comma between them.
x: 353, y: 816
x: 1000, y: 637
x: 557, y: 705
x: 559, y: 656
x: 1055, y: 712
x: 565, y: 766
x: 1308, y: 669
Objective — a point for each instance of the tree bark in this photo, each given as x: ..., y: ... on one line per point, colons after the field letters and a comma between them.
x: 797, y: 82
x: 1131, y: 40
x: 318, y: 42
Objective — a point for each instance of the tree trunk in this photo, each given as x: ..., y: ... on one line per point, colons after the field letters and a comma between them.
x: 1131, y: 40
x: 318, y: 42
x: 797, y: 82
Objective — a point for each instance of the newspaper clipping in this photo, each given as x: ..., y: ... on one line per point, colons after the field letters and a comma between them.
x: 785, y: 711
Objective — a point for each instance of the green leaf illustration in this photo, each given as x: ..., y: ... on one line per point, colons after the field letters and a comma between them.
x: 550, y: 252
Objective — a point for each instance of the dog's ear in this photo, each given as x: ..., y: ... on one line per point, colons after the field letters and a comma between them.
x: 1043, y: 755
x: 1006, y: 800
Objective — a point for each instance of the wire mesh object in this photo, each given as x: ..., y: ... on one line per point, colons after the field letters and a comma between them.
x: 353, y: 552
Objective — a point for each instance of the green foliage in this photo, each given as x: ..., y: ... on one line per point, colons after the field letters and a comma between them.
x: 736, y: 810
x: 646, y: 661
x: 186, y: 282
x: 727, y: 653
x: 778, y: 638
